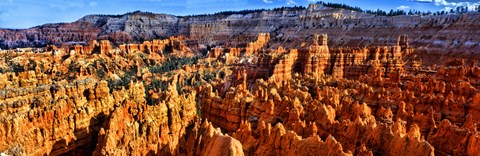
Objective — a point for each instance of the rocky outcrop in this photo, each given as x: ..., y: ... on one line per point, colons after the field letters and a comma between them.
x: 215, y: 53
x: 168, y: 127
x: 284, y: 142
x: 254, y: 47
x: 53, y: 118
x: 332, y: 114
x: 226, y: 113
x: 378, y: 108
x: 287, y: 27
x: 319, y: 60
x: 316, y: 58
x: 206, y: 140
x: 163, y: 97
x: 136, y: 128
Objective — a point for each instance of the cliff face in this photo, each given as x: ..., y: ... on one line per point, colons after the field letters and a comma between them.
x: 161, y: 126
x: 49, y: 34
x: 49, y: 117
x: 87, y: 103
x: 251, y: 100
x: 445, y: 34
x: 162, y: 97
x: 356, y: 100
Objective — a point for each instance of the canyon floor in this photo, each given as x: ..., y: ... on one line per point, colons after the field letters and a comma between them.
x: 166, y: 97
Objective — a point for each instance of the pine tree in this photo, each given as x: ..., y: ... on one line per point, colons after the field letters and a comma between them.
x: 390, y: 13
x: 410, y: 12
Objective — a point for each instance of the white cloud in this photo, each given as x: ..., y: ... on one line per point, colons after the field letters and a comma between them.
x: 291, y: 2
x: 445, y: 3
x: 288, y: 2
x: 424, y: 1
x: 447, y: 9
x: 403, y: 7
x: 268, y: 1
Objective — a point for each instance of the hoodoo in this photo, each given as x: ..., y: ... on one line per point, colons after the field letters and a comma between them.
x: 288, y: 81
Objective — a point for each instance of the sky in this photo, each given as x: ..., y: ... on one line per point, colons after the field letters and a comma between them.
x: 21, y: 14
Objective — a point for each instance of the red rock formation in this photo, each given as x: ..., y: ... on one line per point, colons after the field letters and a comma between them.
x: 319, y: 60
x: 285, y: 67
x: 206, y: 140
x: 339, y: 112
x: 279, y: 141
x: 105, y: 47
x: 226, y: 113
x: 254, y: 47
x: 235, y: 52
x: 138, y: 128
x: 156, y: 46
x: 57, y: 128
x: 136, y: 100
x: 215, y: 53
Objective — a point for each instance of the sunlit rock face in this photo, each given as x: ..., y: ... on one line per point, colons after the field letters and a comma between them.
x: 271, y: 90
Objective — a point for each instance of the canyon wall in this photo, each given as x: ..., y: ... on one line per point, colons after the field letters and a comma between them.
x: 160, y: 98
x: 446, y: 34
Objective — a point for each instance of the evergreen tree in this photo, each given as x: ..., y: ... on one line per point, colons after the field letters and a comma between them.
x: 410, y: 12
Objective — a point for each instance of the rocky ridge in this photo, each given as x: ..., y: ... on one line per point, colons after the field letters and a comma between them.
x: 445, y: 34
